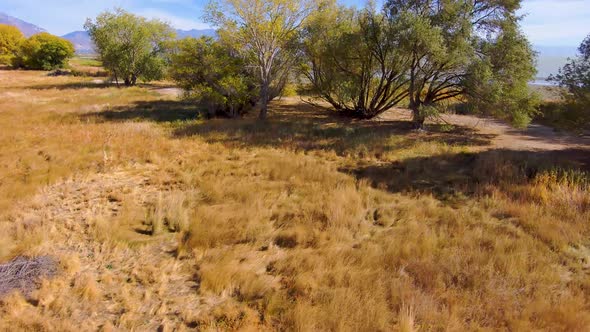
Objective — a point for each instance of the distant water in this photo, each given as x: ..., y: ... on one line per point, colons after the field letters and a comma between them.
x: 542, y: 82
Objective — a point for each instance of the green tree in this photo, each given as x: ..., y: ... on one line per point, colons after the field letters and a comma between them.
x: 264, y: 31
x: 11, y: 39
x: 453, y: 46
x: 497, y: 83
x: 131, y: 47
x: 44, y: 51
x: 354, y: 60
x: 212, y: 74
x: 574, y: 78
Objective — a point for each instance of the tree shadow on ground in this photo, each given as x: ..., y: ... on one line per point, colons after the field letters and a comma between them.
x: 300, y: 126
x: 541, y: 133
x: 98, y: 84
x: 157, y: 111
x: 74, y: 86
x: 451, y: 176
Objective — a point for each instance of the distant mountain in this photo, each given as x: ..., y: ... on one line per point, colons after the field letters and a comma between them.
x: 26, y: 28
x: 181, y: 34
x: 84, y: 45
x: 81, y: 40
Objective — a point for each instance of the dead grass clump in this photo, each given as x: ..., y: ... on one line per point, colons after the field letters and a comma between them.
x: 20, y: 315
x: 227, y: 224
x: 345, y: 206
x: 87, y: 288
x: 170, y: 212
x: 230, y: 315
x: 406, y: 319
x: 228, y: 278
x: 550, y: 201
x: 155, y: 217
x: 286, y: 240
x: 26, y: 238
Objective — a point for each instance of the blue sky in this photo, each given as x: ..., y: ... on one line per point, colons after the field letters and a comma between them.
x: 547, y: 22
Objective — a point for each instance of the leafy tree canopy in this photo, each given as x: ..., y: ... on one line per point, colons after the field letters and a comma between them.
x: 355, y: 61
x: 428, y: 53
x: 214, y: 75
x: 130, y: 46
x: 44, y: 51
x: 574, y: 77
x: 264, y: 32
x: 11, y: 39
x: 470, y: 50
x: 497, y: 83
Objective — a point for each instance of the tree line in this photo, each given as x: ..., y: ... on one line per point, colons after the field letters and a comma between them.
x: 427, y: 55
x: 42, y: 51
x: 424, y: 54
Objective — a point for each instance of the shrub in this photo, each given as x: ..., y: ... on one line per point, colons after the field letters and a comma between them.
x: 210, y: 73
x: 10, y: 40
x: 574, y: 78
x: 568, y: 114
x: 44, y: 51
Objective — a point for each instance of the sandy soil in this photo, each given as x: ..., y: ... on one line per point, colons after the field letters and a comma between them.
x: 175, y: 92
x: 534, y: 138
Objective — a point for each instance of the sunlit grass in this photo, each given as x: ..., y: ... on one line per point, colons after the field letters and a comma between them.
x: 307, y: 221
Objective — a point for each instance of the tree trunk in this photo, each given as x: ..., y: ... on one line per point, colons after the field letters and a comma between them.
x: 417, y: 117
x: 263, y: 101
x: 116, y: 78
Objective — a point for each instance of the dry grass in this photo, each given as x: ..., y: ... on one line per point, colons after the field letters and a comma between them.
x: 306, y: 222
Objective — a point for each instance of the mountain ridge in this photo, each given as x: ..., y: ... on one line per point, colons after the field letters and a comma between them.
x: 195, y: 33
x: 84, y: 45
x: 28, y: 29
x: 81, y: 39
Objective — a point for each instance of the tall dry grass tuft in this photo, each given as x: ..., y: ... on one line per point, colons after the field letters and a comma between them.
x: 406, y: 319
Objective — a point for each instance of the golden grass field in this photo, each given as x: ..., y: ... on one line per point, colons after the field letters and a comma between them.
x: 308, y: 221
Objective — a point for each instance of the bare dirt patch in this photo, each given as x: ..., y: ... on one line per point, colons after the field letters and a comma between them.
x: 173, y: 92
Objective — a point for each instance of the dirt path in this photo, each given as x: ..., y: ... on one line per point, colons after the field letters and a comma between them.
x: 174, y: 92
x: 534, y: 138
